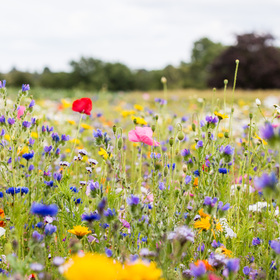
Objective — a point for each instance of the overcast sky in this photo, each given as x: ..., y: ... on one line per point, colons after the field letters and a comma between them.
x: 140, y: 33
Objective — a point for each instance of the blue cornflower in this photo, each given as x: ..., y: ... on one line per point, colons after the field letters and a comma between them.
x: 74, y: 189
x: 28, y: 156
x: 91, y: 217
x: 223, y: 170
x: 196, y: 173
x: 24, y: 190
x: 1, y: 194
x: 49, y: 183
x: 44, y: 210
x: 40, y: 225
x: 12, y: 190
x: 49, y: 229
x: 78, y: 201
x: 105, y: 225
x: 25, y: 87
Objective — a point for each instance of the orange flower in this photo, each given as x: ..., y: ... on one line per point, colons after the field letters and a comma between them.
x: 202, y: 214
x: 195, y: 182
x: 2, y: 215
x: 206, y: 263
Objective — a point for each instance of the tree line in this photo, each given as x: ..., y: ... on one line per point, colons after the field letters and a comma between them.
x: 211, y: 63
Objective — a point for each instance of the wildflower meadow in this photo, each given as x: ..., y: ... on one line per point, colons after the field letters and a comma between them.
x: 141, y: 187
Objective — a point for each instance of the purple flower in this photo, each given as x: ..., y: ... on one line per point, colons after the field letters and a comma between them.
x: 223, y: 207
x: 50, y: 229
x: 2, y: 119
x: 97, y: 133
x: 211, y: 119
x: 198, y: 271
x: 37, y: 236
x: 32, y: 103
x: 186, y: 153
x: 25, y: 87
x: 57, y: 176
x: 26, y: 124
x: 227, y: 150
x: 3, y: 132
x: 266, y: 181
x: 31, y: 141
x: 209, y: 201
x: 11, y: 121
x: 188, y: 179
x: 201, y: 248
x: 31, y: 167
x: 275, y: 245
x: 133, y: 200
x: 267, y: 131
x: 55, y: 137
x: 3, y: 84
x: 246, y: 270
x: 199, y: 144
x: 256, y: 241
x: 233, y: 265
x: 161, y: 186
x: 47, y: 149
x: 65, y: 137
x: 108, y: 252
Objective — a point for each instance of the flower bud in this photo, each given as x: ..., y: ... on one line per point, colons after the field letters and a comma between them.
x: 258, y: 102
x: 163, y: 80
x: 250, y: 116
x: 165, y: 171
x: 225, y: 81
x: 181, y: 136
x: 114, y: 129
x: 171, y: 141
x: 185, y: 168
x: 120, y: 143
x: 226, y: 134
x: 153, y: 128
x: 193, y: 127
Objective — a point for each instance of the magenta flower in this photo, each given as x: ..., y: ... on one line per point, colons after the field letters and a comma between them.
x: 21, y: 110
x: 142, y: 134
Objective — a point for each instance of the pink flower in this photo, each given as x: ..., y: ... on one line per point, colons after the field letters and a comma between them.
x: 142, y: 134
x: 150, y: 197
x: 21, y: 110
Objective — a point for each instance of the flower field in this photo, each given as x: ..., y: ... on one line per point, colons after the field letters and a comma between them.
x: 139, y: 186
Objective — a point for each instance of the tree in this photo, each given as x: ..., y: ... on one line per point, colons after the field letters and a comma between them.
x: 259, y: 63
x: 204, y: 52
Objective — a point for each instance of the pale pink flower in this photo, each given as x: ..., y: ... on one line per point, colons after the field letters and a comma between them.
x: 150, y: 197
x: 21, y: 110
x: 142, y: 134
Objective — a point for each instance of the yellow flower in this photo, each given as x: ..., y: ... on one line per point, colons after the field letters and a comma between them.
x: 91, y: 267
x: 103, y: 153
x: 138, y: 120
x: 226, y: 252
x: 220, y: 135
x: 65, y: 103
x: 127, y: 113
x: 138, y: 107
x: 202, y: 214
x: 22, y: 151
x: 34, y: 134
x: 204, y: 223
x: 141, y: 271
x: 71, y: 122
x: 7, y: 137
x: 79, y: 231
x: 76, y: 141
x: 221, y: 116
x: 86, y: 126
x: 259, y: 138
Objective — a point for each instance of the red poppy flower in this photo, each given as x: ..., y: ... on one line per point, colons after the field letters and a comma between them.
x: 83, y: 106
